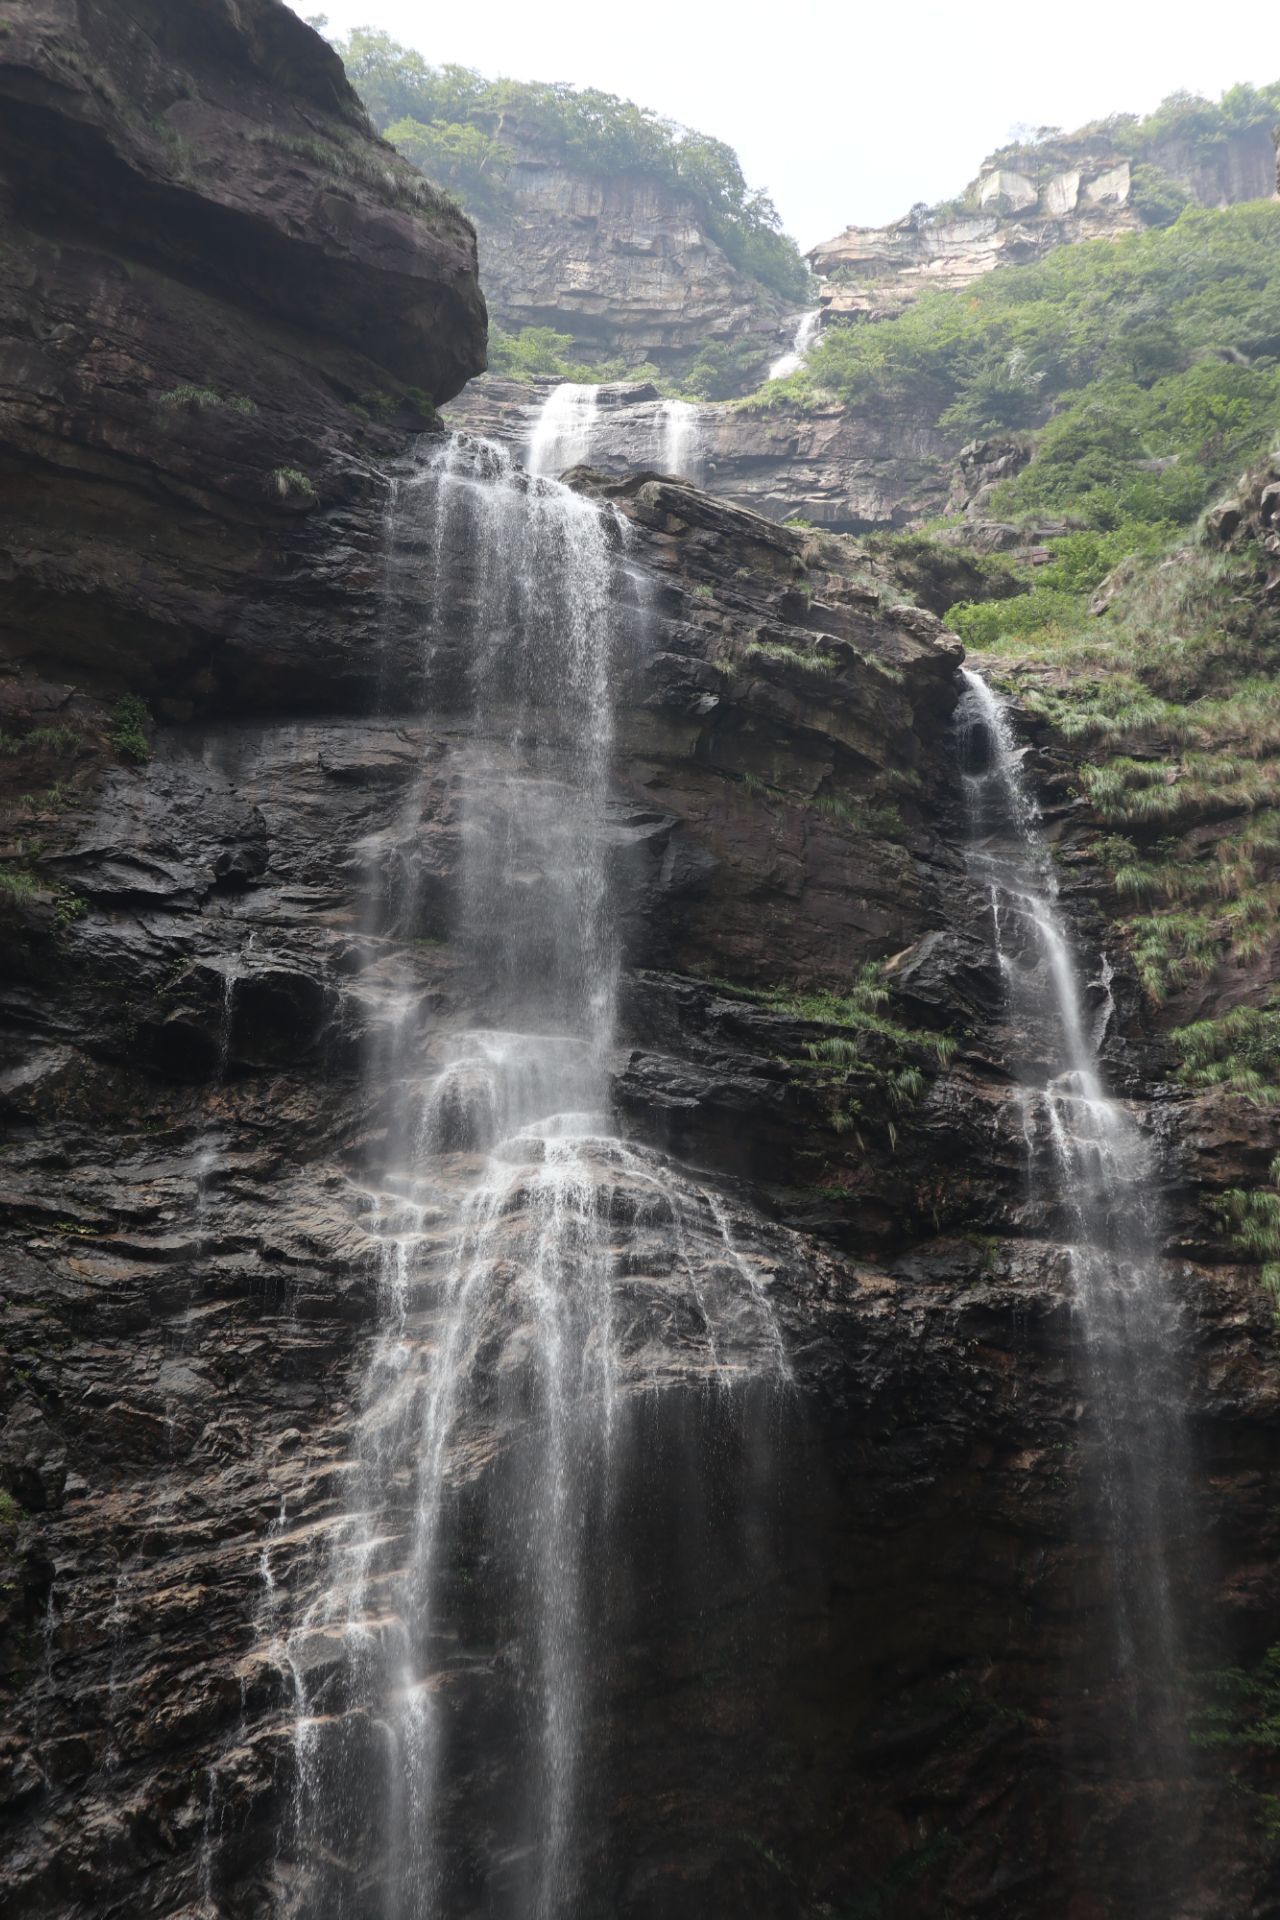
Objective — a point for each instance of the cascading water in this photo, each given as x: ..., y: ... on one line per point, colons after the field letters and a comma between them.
x: 1092, y: 1170
x: 490, y: 1445
x: 561, y: 434
x: 798, y: 352
x: 678, y: 437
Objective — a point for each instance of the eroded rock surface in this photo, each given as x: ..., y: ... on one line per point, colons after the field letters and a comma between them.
x: 624, y: 264
x: 192, y: 1285
x: 864, y: 1698
x: 847, y: 471
x: 219, y: 285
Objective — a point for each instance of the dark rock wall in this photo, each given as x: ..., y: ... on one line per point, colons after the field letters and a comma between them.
x: 219, y: 290
x: 896, y: 1706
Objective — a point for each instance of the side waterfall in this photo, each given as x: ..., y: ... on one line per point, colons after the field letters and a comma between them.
x: 561, y: 434
x: 1092, y: 1169
x: 798, y: 352
x: 679, y: 433
x: 537, y: 1276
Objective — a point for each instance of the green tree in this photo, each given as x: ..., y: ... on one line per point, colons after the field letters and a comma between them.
x: 462, y: 130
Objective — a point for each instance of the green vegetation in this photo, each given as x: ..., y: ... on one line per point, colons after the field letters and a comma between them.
x: 19, y: 883
x: 10, y: 1513
x: 1158, y: 355
x: 1185, y: 121
x: 723, y: 368
x: 291, y: 482
x: 464, y: 131
x: 62, y: 742
x: 867, y: 1060
x: 203, y: 399
x: 130, y: 719
x: 1239, y: 1051
x: 540, y: 353
x: 1239, y: 1717
x: 783, y: 655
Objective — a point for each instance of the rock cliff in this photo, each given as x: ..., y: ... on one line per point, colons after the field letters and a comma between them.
x: 866, y: 1709
x: 221, y: 288
x: 624, y: 265
x: 827, y: 466
x: 1023, y: 205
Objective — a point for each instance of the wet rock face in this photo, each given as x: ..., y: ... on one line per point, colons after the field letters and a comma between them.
x: 219, y: 287
x: 192, y: 1295
x: 849, y: 1619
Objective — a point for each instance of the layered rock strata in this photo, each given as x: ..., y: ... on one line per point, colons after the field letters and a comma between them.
x: 1016, y: 211
x: 843, y: 471
x: 221, y: 290
x: 624, y: 265
x: 893, y: 1698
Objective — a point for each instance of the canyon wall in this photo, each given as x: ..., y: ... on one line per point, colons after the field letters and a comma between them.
x: 217, y: 350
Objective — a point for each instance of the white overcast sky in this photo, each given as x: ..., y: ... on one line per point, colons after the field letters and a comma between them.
x: 849, y: 110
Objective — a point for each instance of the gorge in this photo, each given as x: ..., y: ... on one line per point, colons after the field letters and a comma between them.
x: 618, y: 1299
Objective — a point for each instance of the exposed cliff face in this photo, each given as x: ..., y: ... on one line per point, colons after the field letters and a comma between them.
x: 192, y: 1298
x: 872, y: 273
x: 624, y: 265
x: 871, y: 1704
x: 1017, y: 211
x: 214, y: 273
x: 835, y: 468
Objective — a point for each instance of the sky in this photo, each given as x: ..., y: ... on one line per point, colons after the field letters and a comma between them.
x: 847, y: 112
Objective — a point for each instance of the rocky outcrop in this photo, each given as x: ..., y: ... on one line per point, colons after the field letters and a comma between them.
x: 624, y: 264
x: 220, y: 289
x: 1021, y: 207
x: 849, y: 472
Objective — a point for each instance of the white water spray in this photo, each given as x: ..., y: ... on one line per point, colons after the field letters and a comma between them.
x: 801, y: 346
x: 679, y: 436
x: 561, y: 433
x: 492, y: 1402
x: 1092, y: 1169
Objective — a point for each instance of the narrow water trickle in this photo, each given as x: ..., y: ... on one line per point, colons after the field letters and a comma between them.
x: 469, y: 1550
x: 1092, y: 1173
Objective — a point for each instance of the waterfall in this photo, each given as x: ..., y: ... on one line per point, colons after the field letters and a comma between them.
x: 490, y: 1442
x: 678, y: 436
x: 1093, y: 1172
x: 805, y: 334
x: 561, y: 434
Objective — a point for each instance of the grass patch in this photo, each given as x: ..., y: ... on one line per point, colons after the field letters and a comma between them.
x: 130, y: 719
x: 205, y: 399
x: 292, y: 484
x: 786, y: 656
x: 874, y: 1067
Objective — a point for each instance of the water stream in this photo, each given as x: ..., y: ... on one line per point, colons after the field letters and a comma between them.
x: 534, y: 1271
x: 801, y: 346
x: 560, y: 437
x: 679, y: 452
x: 1093, y: 1177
